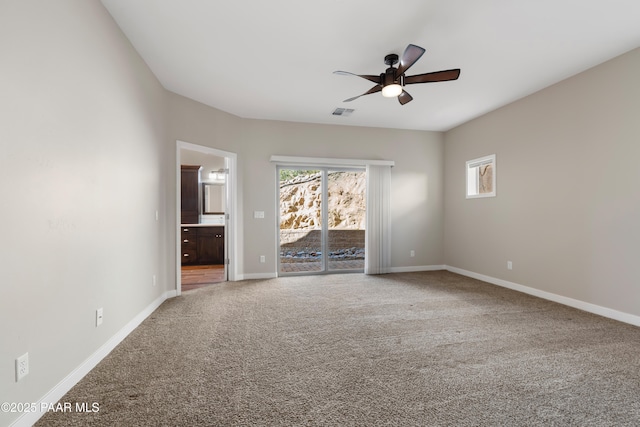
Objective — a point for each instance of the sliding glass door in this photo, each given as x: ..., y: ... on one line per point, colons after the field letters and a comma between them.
x: 321, y: 220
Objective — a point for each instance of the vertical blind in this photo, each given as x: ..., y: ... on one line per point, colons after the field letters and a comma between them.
x: 377, y: 241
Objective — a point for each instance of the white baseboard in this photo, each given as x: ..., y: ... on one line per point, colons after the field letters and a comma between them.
x: 416, y: 268
x: 55, y: 394
x: 580, y: 305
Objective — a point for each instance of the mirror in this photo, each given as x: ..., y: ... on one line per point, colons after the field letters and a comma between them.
x: 213, y: 198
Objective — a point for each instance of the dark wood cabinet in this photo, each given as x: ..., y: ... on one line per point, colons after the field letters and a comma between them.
x: 189, y: 194
x: 203, y: 245
x: 189, y: 248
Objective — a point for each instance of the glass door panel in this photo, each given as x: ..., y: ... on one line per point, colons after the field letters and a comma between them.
x: 346, y: 210
x: 300, y: 231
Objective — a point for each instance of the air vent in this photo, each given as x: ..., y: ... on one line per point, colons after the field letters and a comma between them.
x: 343, y: 112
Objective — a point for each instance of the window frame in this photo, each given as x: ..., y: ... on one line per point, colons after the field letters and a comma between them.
x: 475, y: 164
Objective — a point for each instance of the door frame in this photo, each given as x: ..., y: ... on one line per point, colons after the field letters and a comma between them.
x: 231, y: 202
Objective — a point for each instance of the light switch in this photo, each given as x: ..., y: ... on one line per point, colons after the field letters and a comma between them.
x: 258, y: 214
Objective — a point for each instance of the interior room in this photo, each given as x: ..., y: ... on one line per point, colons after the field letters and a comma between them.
x: 502, y: 286
x: 202, y: 219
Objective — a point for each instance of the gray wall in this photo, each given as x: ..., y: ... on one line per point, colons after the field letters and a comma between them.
x: 417, y: 184
x: 568, y: 203
x: 195, y: 123
x: 82, y: 173
x: 88, y: 156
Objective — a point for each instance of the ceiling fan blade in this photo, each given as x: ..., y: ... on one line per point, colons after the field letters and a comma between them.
x: 437, y: 76
x: 404, y: 97
x: 411, y: 54
x: 376, y: 88
x: 371, y: 78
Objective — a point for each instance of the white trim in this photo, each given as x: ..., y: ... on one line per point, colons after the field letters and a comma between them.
x: 475, y: 163
x: 57, y: 392
x: 178, y: 231
x: 416, y: 268
x: 231, y: 224
x: 327, y: 162
x: 580, y: 305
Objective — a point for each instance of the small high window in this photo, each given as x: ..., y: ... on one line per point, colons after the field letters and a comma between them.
x: 481, y: 177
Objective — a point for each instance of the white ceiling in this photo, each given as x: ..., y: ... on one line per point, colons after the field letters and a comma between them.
x: 275, y: 59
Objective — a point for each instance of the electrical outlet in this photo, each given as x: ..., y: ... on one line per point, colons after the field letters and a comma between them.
x: 22, y: 366
x: 509, y: 265
x: 99, y: 315
x: 412, y: 253
x: 262, y: 258
x: 154, y: 281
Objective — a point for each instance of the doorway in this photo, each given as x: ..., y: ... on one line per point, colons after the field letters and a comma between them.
x: 209, y: 240
x: 321, y: 220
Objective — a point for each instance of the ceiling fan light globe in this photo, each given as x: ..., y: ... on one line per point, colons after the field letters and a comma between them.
x: 392, y: 90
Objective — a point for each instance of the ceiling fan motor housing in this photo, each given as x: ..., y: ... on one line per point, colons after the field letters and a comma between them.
x: 390, y: 77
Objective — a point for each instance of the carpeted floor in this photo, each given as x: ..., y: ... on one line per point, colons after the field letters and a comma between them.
x: 410, y: 349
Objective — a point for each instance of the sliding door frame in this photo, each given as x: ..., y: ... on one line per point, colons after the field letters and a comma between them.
x: 318, y: 162
x: 324, y: 213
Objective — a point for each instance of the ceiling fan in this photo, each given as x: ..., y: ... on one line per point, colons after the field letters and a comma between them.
x: 391, y: 82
